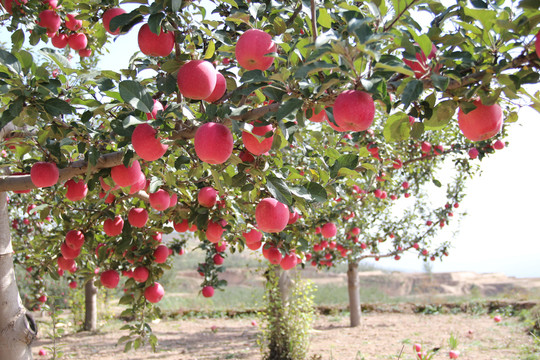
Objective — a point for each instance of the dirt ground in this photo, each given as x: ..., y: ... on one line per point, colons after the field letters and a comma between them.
x: 381, y: 336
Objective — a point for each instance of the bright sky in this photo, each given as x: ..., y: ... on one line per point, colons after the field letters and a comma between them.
x: 500, y: 232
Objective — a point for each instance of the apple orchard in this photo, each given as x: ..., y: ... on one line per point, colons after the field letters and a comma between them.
x: 308, y: 131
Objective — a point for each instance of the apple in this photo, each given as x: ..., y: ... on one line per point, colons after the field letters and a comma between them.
x: 254, y: 245
x: 293, y: 217
x: 139, y: 185
x: 113, y: 227
x: 68, y: 252
x: 355, y: 231
x: 253, y: 236
x: 497, y: 319
x: 318, y: 116
x: 85, y: 52
x: 74, y: 239
x: 50, y: 20
x: 76, y: 190
x: 218, y: 259
x: 207, y: 291
x: 453, y: 354
x: 289, y: 261
x: 253, y: 144
x: 253, y: 48
x: 140, y: 274
x: 481, y: 123
x: 536, y: 44
x: 72, y: 284
x: 336, y: 127
x: 498, y: 145
x: 126, y: 176
x: 138, y: 217
x: 59, y: 41
x: 274, y: 255
x: 160, y: 200
x: 155, y: 45
x: 42, y: 299
x: 161, y: 254
x: 181, y: 226
x: 207, y: 196
x: 72, y: 23
x: 246, y: 157
x: 214, y: 231
x: 420, y: 67
x: 219, y: 89
x: 425, y: 147
x: 221, y: 247
x: 65, y: 264
x: 145, y: 143
x: 354, y: 110
x: 213, y: 143
x: 158, y: 106
x: 271, y: 215
x: 108, y: 16
x: 44, y: 174
x: 329, y: 230
x: 154, y: 293
x: 110, y: 279
x: 197, y: 79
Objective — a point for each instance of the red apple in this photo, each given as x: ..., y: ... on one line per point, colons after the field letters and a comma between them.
x: 253, y: 236
x: 221, y: 247
x: 214, y: 231
x: 113, y: 227
x: 126, y: 176
x: 76, y: 190
x: 255, y: 145
x: 160, y: 200
x: 197, y: 79
x: 65, y: 264
x: 161, y: 254
x: 140, y: 274
x: 329, y: 230
x: 497, y: 319
x: 155, y: 108
x: 59, y: 41
x: 218, y: 259
x: 207, y: 196
x: 253, y: 48
x: 289, y: 261
x: 108, y: 16
x: 138, y: 217
x: 246, y: 157
x: 207, y: 291
x: 44, y: 174
x: 274, y: 255
x: 72, y: 23
x: 155, y: 45
x: 74, y: 239
x: 318, y: 117
x: 85, y: 52
x: 72, y: 284
x: 498, y: 145
x: 481, y: 123
x: 473, y: 153
x: 219, y: 89
x: 421, y: 67
x: 154, y: 293
x: 145, y: 143
x: 425, y: 147
x: 213, y: 143
x: 139, y: 185
x: 453, y: 354
x: 181, y: 226
x: 254, y: 245
x: 354, y: 110
x: 537, y: 44
x: 271, y: 215
x: 50, y: 20
x: 69, y: 253
x: 293, y: 217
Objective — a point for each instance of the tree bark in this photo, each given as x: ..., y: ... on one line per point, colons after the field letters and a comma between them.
x: 354, y: 293
x: 90, y: 309
x: 17, y: 327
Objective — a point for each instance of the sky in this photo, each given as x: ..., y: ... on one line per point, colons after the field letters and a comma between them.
x: 500, y: 231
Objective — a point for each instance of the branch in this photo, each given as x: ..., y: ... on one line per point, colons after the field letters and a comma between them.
x: 294, y: 15
x: 313, y: 21
x: 386, y: 28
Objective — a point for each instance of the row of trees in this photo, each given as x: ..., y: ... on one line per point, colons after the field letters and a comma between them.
x: 274, y: 120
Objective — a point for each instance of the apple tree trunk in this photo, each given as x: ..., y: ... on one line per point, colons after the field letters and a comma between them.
x: 354, y: 293
x: 90, y: 309
x: 17, y: 327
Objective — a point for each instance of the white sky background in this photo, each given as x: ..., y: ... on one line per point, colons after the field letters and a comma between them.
x: 500, y: 232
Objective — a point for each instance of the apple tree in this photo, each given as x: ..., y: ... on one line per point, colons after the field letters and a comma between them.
x: 234, y: 84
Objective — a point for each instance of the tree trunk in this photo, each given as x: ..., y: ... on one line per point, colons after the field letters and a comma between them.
x: 17, y: 327
x: 354, y: 293
x: 90, y: 309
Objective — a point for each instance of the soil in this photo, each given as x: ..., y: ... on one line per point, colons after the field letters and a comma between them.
x: 381, y: 336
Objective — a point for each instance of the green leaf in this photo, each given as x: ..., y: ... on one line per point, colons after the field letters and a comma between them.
x: 440, y: 82
x: 210, y: 51
x: 57, y: 107
x: 10, y: 61
x: 324, y: 18
x: 176, y: 5
x: 288, y: 107
x: 154, y: 22
x: 136, y: 95
x: 125, y: 21
x: 166, y: 84
x: 443, y: 112
x: 253, y: 76
x: 317, y: 192
x: 17, y: 39
x: 411, y: 92
x: 397, y: 127
x: 279, y: 190
x: 313, y: 67
x: 349, y: 161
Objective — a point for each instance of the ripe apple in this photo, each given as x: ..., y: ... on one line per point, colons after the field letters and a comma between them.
x: 126, y: 176
x: 218, y: 259
x: 481, y: 123
x: 425, y: 147
x: 85, y: 52
x: 354, y: 110
x: 59, y: 41
x: 139, y: 185
x: 161, y: 254
x: 537, y: 44
x: 158, y: 106
x: 329, y: 230
x: 289, y: 261
x: 74, y: 239
x: 246, y: 157
x: 274, y: 255
x: 181, y: 226
x: 44, y: 174
x: 293, y: 217
x: 160, y: 200
x: 498, y: 145
x: 213, y: 143
x: 453, y: 354
x: 207, y: 291
x: 145, y: 143
x: 108, y: 16
x: 254, y: 245
x: 207, y: 196
x: 154, y: 293
x: 72, y: 23
x: 214, y: 231
x: 197, y: 79
x: 219, y: 89
x: 253, y: 144
x: 76, y: 190
x: 497, y: 319
x: 253, y: 236
x: 318, y: 117
x: 69, y: 253
x: 140, y: 274
x: 110, y: 279
x: 138, y: 217
x: 155, y: 45
x: 50, y: 20
x: 72, y: 284
x: 65, y: 264
x: 221, y: 247
x: 253, y: 48
x: 271, y: 215
x: 113, y: 227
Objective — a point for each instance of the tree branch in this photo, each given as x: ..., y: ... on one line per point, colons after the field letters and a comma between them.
x: 313, y: 21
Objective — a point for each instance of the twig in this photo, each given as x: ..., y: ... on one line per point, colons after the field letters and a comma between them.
x: 313, y: 20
